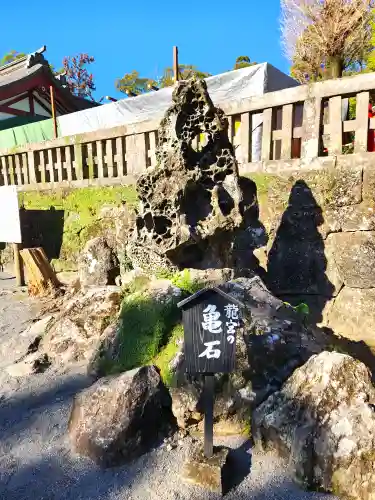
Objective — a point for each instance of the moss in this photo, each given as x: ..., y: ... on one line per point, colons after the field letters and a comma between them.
x: 184, y: 281
x: 146, y: 329
x: 167, y: 353
x: 81, y: 214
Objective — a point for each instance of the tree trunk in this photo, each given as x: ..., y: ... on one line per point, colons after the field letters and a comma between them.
x: 335, y: 67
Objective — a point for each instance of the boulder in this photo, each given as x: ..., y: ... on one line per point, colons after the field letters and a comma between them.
x: 352, y: 315
x: 273, y: 342
x: 74, y: 333
x: 354, y: 256
x: 323, y: 419
x: 119, y: 417
x: 193, y: 204
x: 106, y: 350
x: 97, y: 264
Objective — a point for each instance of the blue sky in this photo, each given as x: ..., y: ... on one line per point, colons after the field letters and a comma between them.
x: 126, y: 35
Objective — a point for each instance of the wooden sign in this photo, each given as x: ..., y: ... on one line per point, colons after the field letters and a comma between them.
x: 211, y: 319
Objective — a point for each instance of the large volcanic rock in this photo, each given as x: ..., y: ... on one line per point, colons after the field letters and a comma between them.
x: 117, y: 418
x: 194, y: 207
x: 272, y: 344
x: 324, y: 420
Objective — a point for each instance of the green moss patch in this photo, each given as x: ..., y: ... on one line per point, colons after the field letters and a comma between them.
x: 82, y: 219
x: 167, y: 353
x: 147, y: 327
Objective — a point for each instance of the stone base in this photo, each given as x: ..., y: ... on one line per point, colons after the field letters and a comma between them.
x: 206, y: 472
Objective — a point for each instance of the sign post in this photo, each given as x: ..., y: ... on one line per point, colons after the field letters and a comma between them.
x: 211, y: 319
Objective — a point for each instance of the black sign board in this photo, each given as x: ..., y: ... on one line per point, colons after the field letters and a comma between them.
x: 211, y: 319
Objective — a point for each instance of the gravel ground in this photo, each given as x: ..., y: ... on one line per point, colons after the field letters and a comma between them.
x: 35, y: 461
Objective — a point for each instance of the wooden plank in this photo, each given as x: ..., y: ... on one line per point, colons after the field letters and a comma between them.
x: 11, y: 170
x: 90, y: 160
x: 51, y: 166
x: 78, y: 161
x: 266, y: 136
x: 109, y: 157
x: 152, y: 148
x: 361, y: 122
x: 41, y: 277
x: 18, y: 265
x: 120, y: 157
x: 25, y: 169
x: 311, y: 127
x: 334, y: 127
x: 31, y: 167
x: 287, y: 128
x: 68, y: 163
x: 230, y: 129
x: 18, y: 176
x: 42, y: 166
x: 59, y: 165
x: 100, y: 159
x: 245, y: 137
x: 4, y: 170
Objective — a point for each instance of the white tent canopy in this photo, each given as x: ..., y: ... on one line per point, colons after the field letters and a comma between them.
x: 228, y: 87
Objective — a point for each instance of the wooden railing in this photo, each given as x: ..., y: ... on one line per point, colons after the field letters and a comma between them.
x: 299, y: 125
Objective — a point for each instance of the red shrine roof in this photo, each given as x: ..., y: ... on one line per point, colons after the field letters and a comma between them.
x: 33, y: 72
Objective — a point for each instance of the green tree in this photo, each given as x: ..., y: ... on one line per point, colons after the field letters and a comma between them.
x: 11, y: 56
x: 243, y: 62
x: 185, y: 71
x: 133, y: 83
x: 326, y: 37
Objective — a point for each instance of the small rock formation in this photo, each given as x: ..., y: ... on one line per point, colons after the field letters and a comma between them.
x: 73, y: 334
x: 117, y: 418
x: 97, y: 265
x: 324, y: 419
x: 272, y: 345
x: 193, y: 202
x: 106, y: 350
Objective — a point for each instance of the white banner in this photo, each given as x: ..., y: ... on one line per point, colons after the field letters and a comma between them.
x: 10, y: 226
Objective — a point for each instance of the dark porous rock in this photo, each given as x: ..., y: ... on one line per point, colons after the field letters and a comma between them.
x: 323, y: 419
x: 271, y: 344
x: 120, y: 417
x: 97, y: 265
x: 193, y: 204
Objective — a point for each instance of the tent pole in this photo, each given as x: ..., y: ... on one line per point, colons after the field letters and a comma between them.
x: 175, y: 64
x: 53, y: 112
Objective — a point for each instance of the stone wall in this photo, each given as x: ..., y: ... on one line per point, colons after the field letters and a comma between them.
x: 321, y: 241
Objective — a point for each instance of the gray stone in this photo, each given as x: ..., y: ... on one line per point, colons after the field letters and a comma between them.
x: 119, y: 417
x: 38, y: 328
x: 270, y: 346
x: 323, y: 420
x: 74, y: 333
x: 352, y: 315
x: 97, y: 265
x: 206, y: 472
x: 351, y: 218
x: 106, y: 351
x: 354, y: 256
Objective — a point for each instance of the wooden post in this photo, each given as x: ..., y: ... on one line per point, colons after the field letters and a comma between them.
x: 53, y: 111
x: 175, y: 64
x: 209, y: 385
x: 18, y: 266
